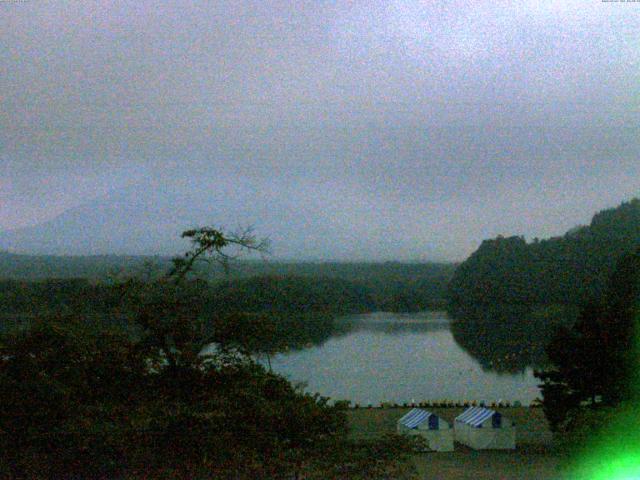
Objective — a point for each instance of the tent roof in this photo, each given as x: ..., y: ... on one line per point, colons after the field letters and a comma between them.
x: 474, y: 416
x: 415, y: 417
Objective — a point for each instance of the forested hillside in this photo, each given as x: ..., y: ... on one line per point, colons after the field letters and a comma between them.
x: 291, y: 294
x: 387, y: 286
x: 39, y: 267
x: 560, y: 270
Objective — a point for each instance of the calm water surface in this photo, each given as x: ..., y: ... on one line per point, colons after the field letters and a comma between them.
x: 384, y: 357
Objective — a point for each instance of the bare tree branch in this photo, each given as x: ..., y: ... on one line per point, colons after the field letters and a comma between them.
x: 211, y: 244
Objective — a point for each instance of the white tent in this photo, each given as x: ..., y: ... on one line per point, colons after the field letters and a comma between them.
x: 481, y: 428
x: 436, y: 432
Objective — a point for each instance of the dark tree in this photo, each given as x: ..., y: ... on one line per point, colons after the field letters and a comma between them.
x: 144, y: 398
x: 595, y: 363
x: 570, y: 269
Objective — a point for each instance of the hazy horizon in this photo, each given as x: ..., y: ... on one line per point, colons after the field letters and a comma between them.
x: 342, y: 130
x: 178, y: 246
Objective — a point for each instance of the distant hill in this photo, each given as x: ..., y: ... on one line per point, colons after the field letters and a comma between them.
x: 98, y: 267
x: 132, y: 221
x: 148, y: 219
x: 561, y: 270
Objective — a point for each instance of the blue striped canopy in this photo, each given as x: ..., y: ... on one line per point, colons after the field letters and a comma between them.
x: 417, y: 416
x: 474, y: 416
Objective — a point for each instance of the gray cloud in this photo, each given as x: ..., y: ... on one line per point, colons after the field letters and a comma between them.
x: 399, y: 129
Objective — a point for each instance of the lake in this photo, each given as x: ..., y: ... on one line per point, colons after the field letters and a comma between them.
x: 387, y: 357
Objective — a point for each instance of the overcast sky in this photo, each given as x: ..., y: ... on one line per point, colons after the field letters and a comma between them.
x: 433, y: 124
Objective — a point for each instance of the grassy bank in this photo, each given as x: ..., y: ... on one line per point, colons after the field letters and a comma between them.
x: 534, y: 457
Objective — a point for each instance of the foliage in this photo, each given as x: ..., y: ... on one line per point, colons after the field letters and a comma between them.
x: 60, y: 401
x: 86, y: 403
x: 144, y: 398
x: 571, y: 269
x: 291, y: 294
x: 596, y: 361
x: 86, y: 283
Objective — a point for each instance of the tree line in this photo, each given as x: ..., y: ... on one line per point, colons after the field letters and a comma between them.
x: 571, y: 269
x: 588, y: 363
x: 405, y: 290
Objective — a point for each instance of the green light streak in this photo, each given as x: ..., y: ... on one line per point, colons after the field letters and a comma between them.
x: 613, y: 451
x: 623, y: 468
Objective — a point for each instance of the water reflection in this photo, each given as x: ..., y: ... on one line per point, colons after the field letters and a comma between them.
x: 393, y: 323
x: 502, y: 339
x: 399, y: 358
x: 508, y: 338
